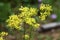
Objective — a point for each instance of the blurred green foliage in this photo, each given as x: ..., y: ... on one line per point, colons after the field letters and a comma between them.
x: 5, y: 11
x: 48, y: 1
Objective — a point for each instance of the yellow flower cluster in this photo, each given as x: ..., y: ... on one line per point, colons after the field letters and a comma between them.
x: 45, y: 11
x: 24, y: 9
x: 30, y: 20
x: 2, y: 34
x: 26, y: 36
x: 44, y: 15
x: 36, y: 26
x: 1, y: 38
x: 14, y: 22
x: 46, y: 7
x: 27, y: 14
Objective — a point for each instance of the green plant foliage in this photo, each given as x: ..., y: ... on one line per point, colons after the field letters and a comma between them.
x: 48, y: 1
x: 49, y: 38
x: 26, y: 0
x: 5, y: 11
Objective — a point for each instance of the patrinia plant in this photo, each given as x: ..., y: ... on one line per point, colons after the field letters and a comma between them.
x: 27, y: 16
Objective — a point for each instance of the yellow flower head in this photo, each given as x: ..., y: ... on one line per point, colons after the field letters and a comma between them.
x: 36, y: 25
x: 24, y: 9
x: 42, y: 6
x: 14, y: 22
x: 27, y: 15
x: 30, y: 20
x: 3, y: 34
x: 45, y: 11
x: 26, y: 36
x: 48, y: 7
x: 1, y: 38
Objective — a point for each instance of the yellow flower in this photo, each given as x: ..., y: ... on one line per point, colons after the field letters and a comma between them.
x: 14, y: 22
x: 1, y: 38
x: 42, y: 18
x: 26, y: 36
x: 28, y: 12
x: 3, y: 34
x: 36, y: 26
x: 26, y: 15
x: 24, y: 9
x: 42, y: 6
x: 45, y: 11
x: 33, y: 11
x: 48, y: 7
x: 30, y: 21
